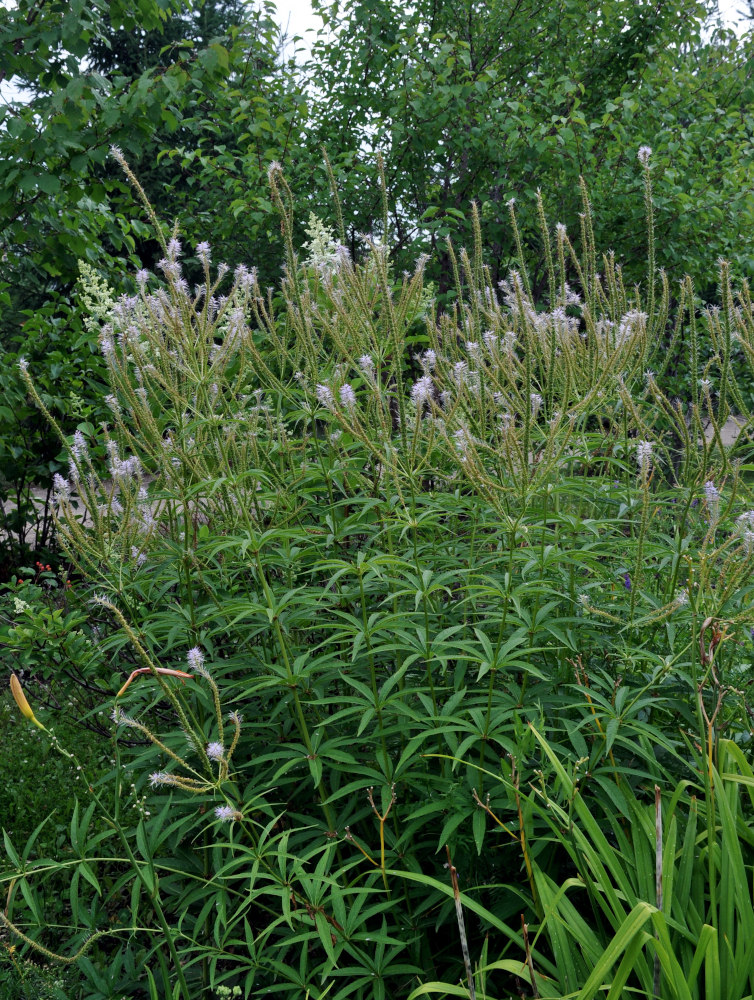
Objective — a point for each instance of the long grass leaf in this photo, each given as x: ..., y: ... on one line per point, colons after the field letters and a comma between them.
x: 626, y: 933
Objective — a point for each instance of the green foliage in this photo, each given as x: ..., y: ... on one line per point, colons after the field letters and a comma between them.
x: 71, y: 379
x: 381, y: 588
x: 491, y: 101
x: 481, y: 102
x: 61, y: 203
x: 25, y: 980
x: 36, y: 804
x: 659, y: 899
x: 45, y: 635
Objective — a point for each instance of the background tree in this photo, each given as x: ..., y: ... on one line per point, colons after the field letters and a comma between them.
x: 154, y: 80
x: 492, y: 101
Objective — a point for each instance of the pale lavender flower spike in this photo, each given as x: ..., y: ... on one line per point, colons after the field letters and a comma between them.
x: 215, y: 751
x: 227, y: 814
x: 429, y: 360
x: 78, y: 448
x: 203, y: 252
x: 711, y: 492
x: 195, y: 660
x: 347, y: 396
x: 367, y: 367
x: 139, y: 557
x: 712, y: 496
x: 644, y: 153
x: 61, y: 486
x: 421, y: 391
x: 462, y: 441
x: 325, y: 396
x: 643, y: 455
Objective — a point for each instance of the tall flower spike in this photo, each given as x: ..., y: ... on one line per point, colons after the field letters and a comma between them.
x: 712, y: 496
x: 367, y: 367
x: 324, y: 396
x: 644, y: 456
x: 236, y: 718
x: 421, y: 390
x: 347, y: 396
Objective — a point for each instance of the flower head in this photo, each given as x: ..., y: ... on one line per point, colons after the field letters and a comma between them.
x: 712, y: 496
x: 644, y: 456
x: 227, y: 814
x: 644, y: 153
x: 421, y: 391
x: 215, y: 751
x: 245, y: 277
x: 138, y: 556
x: 203, y: 253
x: 462, y: 442
x: 120, y: 718
x: 460, y: 372
x: 161, y: 778
x: 324, y: 251
x: 78, y: 448
x: 324, y: 396
x: 61, y: 487
x: 428, y: 360
x: 195, y: 660
x: 347, y: 396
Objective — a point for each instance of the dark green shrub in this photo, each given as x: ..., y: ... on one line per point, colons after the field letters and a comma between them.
x: 355, y: 557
